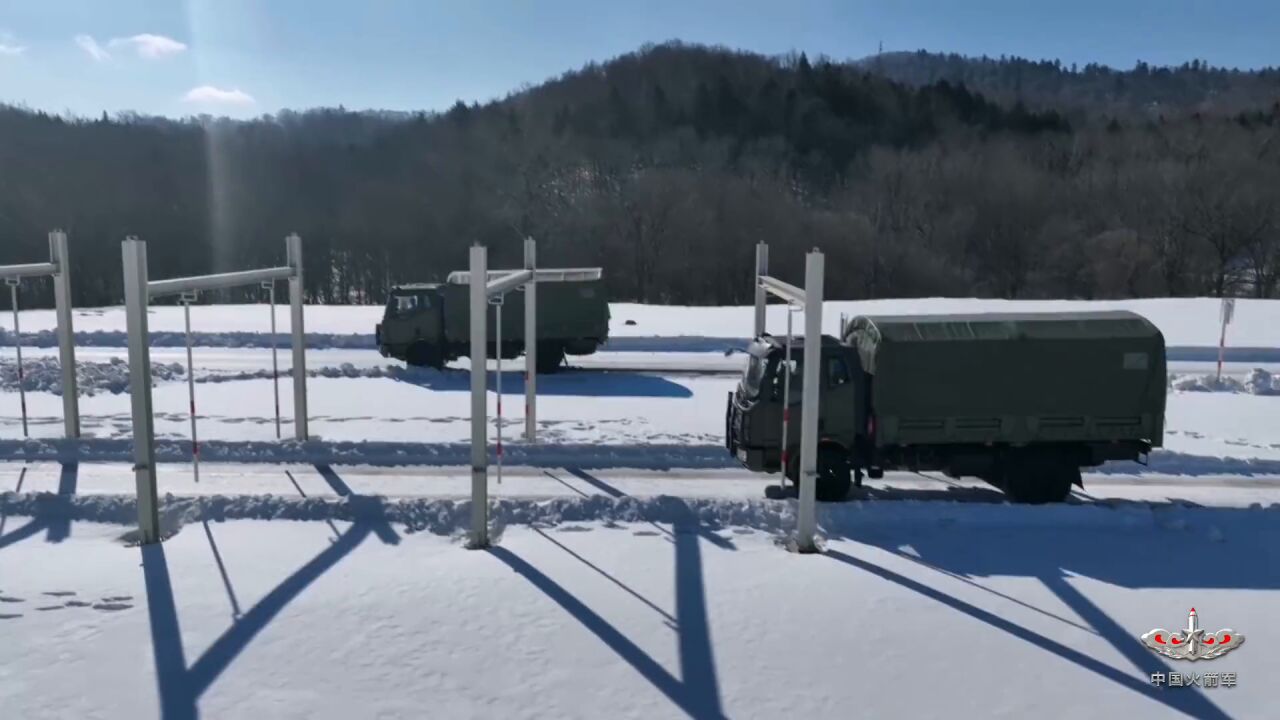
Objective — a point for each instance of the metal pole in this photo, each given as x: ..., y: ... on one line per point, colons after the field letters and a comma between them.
x: 813, y: 276
x: 531, y: 343
x: 762, y: 268
x: 786, y: 398
x: 479, y: 440
x: 275, y: 361
x: 134, y: 254
x: 66, y: 334
x: 1227, y: 311
x: 497, y: 344
x: 293, y: 248
x: 17, y: 346
x: 187, y: 299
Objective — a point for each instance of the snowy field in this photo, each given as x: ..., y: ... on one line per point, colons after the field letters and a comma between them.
x: 1184, y: 321
x: 637, y: 572
x: 609, y: 606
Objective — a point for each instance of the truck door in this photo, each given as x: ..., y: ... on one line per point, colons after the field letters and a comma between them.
x: 836, y: 398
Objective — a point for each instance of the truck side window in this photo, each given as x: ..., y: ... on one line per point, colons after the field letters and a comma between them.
x: 837, y: 372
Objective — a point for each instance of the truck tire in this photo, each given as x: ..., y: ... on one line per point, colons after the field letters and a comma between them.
x: 550, y: 358
x: 834, y: 474
x: 1038, y: 480
x: 424, y: 355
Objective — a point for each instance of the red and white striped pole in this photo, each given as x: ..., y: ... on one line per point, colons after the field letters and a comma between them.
x: 187, y: 299
x: 17, y: 346
x: 497, y: 344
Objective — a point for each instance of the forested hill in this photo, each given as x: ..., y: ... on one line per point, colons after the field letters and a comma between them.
x: 1143, y: 90
x: 666, y: 166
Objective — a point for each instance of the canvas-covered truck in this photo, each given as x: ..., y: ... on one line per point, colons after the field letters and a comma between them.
x: 429, y: 324
x: 1022, y: 401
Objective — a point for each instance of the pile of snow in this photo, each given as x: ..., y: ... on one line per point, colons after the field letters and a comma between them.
x: 44, y: 374
x: 656, y: 456
x: 1257, y: 382
x: 228, y: 339
x: 450, y: 516
x: 1261, y: 382
x: 345, y: 370
x: 582, y: 455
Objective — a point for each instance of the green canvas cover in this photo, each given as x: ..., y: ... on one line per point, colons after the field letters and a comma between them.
x: 1013, y: 378
x: 565, y: 310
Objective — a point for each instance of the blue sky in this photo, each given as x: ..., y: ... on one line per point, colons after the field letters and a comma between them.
x: 247, y: 57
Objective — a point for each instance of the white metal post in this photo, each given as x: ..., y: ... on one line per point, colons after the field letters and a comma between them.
x: 807, y: 521
x: 66, y: 333
x: 1227, y: 312
x: 531, y: 343
x: 293, y: 249
x: 786, y: 398
x: 762, y: 268
x: 134, y: 255
x: 17, y: 346
x: 479, y: 437
x: 187, y: 299
x: 270, y: 285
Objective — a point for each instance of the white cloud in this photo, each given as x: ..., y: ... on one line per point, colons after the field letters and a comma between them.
x: 148, y: 46
x: 9, y: 46
x: 210, y: 95
x: 91, y: 46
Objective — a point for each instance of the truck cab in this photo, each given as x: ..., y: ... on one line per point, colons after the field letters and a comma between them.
x: 754, y: 412
x: 412, y: 325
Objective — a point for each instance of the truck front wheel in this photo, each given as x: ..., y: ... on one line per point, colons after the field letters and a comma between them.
x: 424, y: 355
x: 834, y: 474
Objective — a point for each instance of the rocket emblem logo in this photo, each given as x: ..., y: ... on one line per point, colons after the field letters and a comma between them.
x: 1193, y: 643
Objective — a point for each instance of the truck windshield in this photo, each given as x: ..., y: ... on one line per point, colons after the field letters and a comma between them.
x: 754, y: 376
x: 402, y: 305
x: 797, y: 372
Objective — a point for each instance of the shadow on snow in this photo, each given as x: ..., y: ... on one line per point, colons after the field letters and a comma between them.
x: 697, y: 689
x: 574, y: 383
x: 180, y: 684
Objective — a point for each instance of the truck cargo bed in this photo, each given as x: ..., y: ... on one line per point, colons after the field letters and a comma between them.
x: 1013, y: 378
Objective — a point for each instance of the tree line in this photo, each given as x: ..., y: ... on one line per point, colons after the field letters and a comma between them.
x: 666, y: 166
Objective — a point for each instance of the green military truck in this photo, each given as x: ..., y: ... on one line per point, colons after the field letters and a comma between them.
x: 429, y: 324
x: 1022, y: 401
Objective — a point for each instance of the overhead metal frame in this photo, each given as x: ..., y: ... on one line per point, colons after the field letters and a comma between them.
x: 138, y: 290
x: 810, y: 299
x: 59, y: 267
x: 497, y: 283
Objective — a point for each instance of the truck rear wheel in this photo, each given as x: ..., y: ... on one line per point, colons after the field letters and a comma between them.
x: 1038, y: 480
x: 834, y: 474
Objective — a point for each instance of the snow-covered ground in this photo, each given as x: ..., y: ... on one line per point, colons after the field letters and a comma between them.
x: 637, y: 572
x: 376, y: 401
x: 606, y: 606
x: 1184, y: 321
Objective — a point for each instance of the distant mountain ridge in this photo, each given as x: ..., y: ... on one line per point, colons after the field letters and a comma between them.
x: 1194, y: 85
